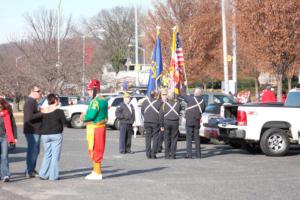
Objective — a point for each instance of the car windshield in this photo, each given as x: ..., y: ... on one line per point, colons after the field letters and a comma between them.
x: 221, y: 99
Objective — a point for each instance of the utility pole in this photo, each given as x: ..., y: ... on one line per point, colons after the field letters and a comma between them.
x: 58, y: 63
x: 83, y: 65
x: 234, y: 47
x: 136, y: 45
x: 226, y: 82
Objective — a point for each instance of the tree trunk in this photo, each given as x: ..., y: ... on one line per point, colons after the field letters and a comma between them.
x: 204, y: 86
x: 279, y: 87
x: 289, y: 83
x: 256, y: 89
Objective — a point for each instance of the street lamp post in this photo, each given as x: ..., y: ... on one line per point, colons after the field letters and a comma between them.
x: 83, y: 57
x: 58, y: 63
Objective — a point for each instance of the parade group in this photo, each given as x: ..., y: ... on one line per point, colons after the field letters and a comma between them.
x: 161, y: 112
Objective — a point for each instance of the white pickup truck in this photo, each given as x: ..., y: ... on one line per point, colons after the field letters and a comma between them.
x: 272, y: 127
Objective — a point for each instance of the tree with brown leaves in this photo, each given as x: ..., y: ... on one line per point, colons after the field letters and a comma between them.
x: 270, y: 28
x: 199, y: 27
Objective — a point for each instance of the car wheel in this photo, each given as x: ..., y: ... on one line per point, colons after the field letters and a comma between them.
x: 274, y: 142
x: 76, y: 122
x: 117, y: 124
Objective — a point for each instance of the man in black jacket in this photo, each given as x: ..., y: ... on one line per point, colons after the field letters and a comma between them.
x: 32, y: 125
x: 169, y: 123
x: 150, y: 111
x: 125, y: 113
x: 193, y: 113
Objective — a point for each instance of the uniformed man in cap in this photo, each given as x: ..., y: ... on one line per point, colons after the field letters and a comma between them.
x: 125, y: 113
x: 150, y: 111
x: 169, y: 123
x: 193, y: 113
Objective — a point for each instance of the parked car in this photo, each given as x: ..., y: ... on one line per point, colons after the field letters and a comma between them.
x: 63, y: 100
x: 213, y: 102
x: 114, y: 102
x: 73, y: 112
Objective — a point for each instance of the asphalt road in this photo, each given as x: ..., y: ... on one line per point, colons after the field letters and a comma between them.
x: 223, y: 173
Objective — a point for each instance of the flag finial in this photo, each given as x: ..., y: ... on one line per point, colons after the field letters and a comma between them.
x: 174, y: 28
x: 157, y: 30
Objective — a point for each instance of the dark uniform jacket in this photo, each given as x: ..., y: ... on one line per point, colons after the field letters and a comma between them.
x: 169, y: 112
x: 151, y: 113
x: 124, y: 114
x: 192, y: 112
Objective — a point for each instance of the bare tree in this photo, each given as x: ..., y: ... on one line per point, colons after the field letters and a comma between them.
x: 118, y: 24
x: 40, y: 49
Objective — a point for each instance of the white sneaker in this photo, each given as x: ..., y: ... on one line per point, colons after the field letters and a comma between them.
x: 94, y: 176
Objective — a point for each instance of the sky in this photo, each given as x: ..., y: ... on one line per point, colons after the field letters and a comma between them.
x: 12, y: 21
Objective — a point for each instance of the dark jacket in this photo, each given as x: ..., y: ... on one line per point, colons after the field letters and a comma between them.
x: 13, y: 123
x: 53, y: 122
x: 124, y: 114
x: 32, y: 117
x: 192, y: 112
x: 169, y: 115
x: 150, y: 114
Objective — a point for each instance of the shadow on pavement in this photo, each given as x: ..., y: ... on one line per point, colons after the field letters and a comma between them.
x: 75, y: 173
x: 18, y: 150
x: 16, y: 159
x: 134, y: 172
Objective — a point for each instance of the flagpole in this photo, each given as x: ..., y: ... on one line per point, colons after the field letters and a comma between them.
x: 185, y: 77
x: 157, y: 34
x: 174, y: 49
x: 187, y: 86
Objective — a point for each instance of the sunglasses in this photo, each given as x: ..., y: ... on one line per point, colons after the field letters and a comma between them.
x: 37, y: 91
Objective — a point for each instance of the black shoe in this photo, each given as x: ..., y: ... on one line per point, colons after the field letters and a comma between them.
x: 33, y: 174
x: 130, y: 152
x: 153, y: 157
x: 188, y: 157
x: 173, y: 157
x: 149, y: 157
x: 5, y: 179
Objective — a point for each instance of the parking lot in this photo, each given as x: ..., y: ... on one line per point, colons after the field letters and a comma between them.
x: 223, y: 173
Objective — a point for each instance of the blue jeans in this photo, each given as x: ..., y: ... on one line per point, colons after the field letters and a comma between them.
x: 33, y: 150
x: 4, y: 157
x: 52, y: 149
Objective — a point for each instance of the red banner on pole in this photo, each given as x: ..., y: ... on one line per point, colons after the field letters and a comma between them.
x: 88, y: 55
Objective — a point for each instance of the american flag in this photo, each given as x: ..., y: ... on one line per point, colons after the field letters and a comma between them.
x: 178, y: 64
x: 179, y: 52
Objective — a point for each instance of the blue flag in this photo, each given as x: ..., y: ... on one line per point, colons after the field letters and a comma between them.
x: 156, y: 68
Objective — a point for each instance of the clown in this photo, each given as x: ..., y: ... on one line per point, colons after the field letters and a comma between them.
x: 96, y: 118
